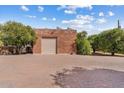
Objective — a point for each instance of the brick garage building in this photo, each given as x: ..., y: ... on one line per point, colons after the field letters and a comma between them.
x: 55, y: 41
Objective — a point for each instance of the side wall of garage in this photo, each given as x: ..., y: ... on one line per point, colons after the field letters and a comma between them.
x: 65, y: 40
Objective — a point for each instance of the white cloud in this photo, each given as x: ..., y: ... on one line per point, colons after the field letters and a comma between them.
x: 54, y: 19
x: 101, y: 14
x: 2, y: 22
x: 101, y: 21
x: 44, y: 18
x: 48, y: 19
x: 71, y: 9
x: 40, y: 8
x: 111, y: 13
x: 61, y: 7
x: 74, y: 7
x: 82, y: 22
x: 30, y: 16
x: 24, y: 8
x: 81, y: 6
x: 70, y: 12
x: 80, y: 19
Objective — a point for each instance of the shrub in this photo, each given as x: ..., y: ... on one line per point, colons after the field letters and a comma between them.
x: 83, y: 45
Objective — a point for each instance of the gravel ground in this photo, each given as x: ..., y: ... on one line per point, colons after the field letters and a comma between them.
x: 82, y: 78
x: 36, y: 71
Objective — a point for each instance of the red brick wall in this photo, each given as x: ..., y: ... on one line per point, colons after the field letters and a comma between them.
x: 65, y: 40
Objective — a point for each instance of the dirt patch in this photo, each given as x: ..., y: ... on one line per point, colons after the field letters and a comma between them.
x: 83, y: 78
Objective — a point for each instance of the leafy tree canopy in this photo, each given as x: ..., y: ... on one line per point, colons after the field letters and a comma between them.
x: 17, y: 34
x: 83, y: 45
x: 110, y: 40
x: 94, y: 41
x: 82, y: 35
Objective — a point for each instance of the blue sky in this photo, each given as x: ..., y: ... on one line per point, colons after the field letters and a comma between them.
x: 92, y: 19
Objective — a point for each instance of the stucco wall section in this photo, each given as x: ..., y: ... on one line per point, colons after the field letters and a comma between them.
x: 65, y: 40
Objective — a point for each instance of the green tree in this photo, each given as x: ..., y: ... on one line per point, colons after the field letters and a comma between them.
x: 17, y: 34
x: 94, y: 41
x: 82, y: 35
x: 121, y: 44
x: 1, y: 43
x: 110, y: 40
x: 0, y: 27
x: 83, y: 45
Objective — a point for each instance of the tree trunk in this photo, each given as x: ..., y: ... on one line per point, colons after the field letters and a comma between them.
x: 17, y: 50
x: 112, y: 53
x: 94, y: 51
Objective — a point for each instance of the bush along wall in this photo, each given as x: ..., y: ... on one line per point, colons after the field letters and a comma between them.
x: 82, y: 43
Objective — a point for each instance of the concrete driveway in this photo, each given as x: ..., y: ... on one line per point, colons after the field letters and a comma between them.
x: 37, y: 70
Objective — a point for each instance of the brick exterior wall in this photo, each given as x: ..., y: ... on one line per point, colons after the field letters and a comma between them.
x: 65, y: 40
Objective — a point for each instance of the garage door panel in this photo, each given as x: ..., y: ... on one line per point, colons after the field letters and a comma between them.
x: 48, y: 46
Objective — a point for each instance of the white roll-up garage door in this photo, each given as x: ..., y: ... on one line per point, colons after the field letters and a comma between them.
x: 48, y: 45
